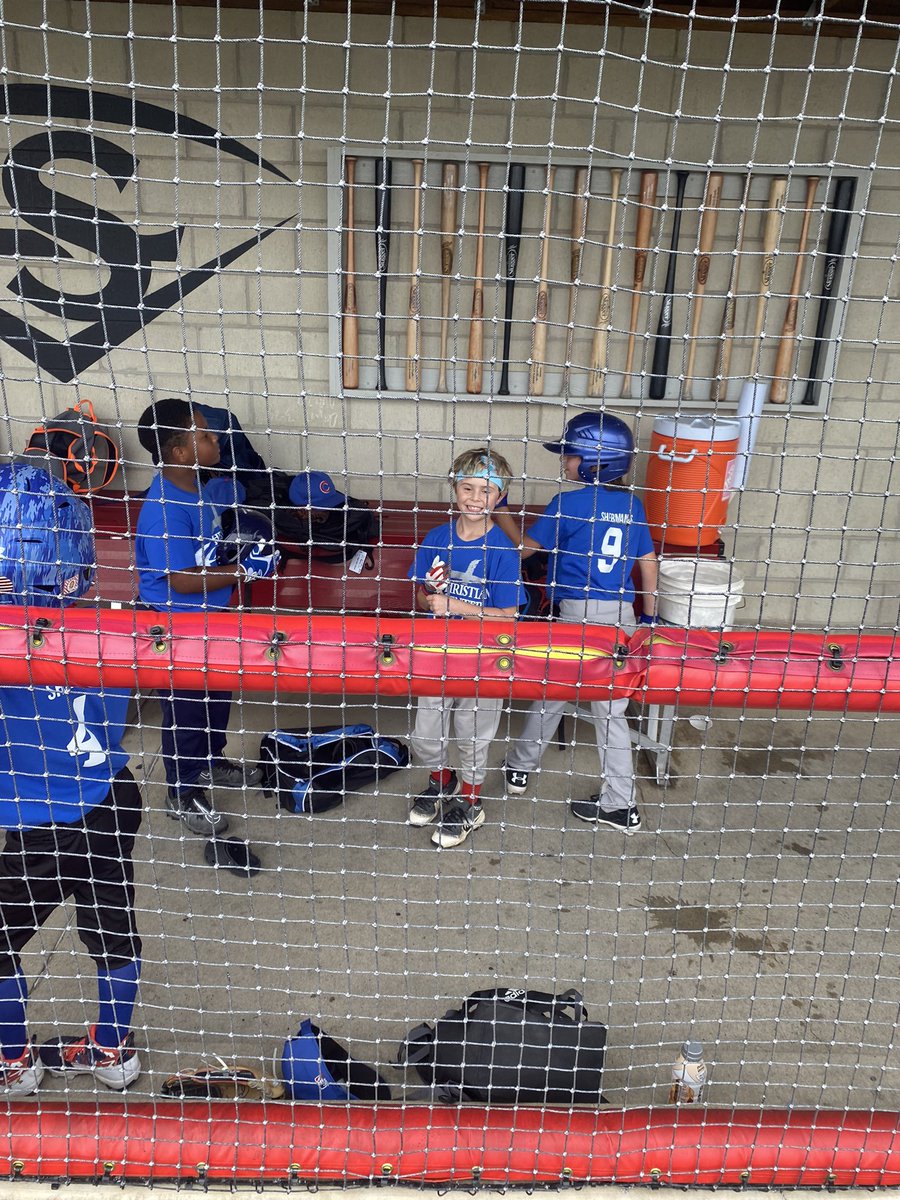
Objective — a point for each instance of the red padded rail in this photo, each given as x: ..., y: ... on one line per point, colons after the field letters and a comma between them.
x: 329, y: 654
x: 281, y: 1142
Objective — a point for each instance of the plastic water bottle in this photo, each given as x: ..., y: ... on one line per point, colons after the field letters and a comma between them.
x: 689, y: 1075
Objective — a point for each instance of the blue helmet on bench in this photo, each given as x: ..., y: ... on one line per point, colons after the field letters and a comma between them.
x: 604, y: 444
x: 242, y: 529
x: 46, y: 539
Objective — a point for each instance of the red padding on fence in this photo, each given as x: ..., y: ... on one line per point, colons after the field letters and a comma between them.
x: 743, y: 668
x: 329, y: 654
x: 323, y: 654
x: 345, y: 1144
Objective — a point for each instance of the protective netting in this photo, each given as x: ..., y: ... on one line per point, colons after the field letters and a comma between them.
x: 376, y: 241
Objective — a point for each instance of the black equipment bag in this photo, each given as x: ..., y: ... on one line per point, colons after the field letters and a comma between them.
x: 331, y: 535
x: 311, y: 770
x: 327, y: 535
x: 511, y: 1046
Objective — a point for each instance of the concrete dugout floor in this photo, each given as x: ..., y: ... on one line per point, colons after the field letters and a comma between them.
x: 757, y: 908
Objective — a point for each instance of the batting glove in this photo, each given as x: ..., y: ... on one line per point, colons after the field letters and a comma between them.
x: 260, y: 561
x: 437, y: 577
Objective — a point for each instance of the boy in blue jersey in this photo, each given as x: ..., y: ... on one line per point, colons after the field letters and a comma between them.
x: 178, y: 554
x: 68, y: 803
x: 594, y: 537
x: 467, y: 568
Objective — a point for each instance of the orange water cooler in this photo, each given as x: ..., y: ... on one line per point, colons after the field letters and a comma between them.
x: 690, y: 473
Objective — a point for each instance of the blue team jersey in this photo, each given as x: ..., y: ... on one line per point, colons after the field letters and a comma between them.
x: 177, y: 530
x: 594, y: 535
x: 60, y: 749
x: 486, y: 572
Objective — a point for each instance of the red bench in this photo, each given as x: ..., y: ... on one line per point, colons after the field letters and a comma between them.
x: 303, y: 582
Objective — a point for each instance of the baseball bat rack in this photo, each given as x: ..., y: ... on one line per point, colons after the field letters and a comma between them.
x: 499, y: 277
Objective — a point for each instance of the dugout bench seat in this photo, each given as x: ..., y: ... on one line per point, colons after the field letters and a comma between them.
x: 304, y: 583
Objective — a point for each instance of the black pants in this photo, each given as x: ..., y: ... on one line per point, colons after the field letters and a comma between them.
x: 91, y: 862
x: 194, y: 731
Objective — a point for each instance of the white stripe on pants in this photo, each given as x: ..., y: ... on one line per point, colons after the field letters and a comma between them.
x: 610, y: 726
x: 475, y: 725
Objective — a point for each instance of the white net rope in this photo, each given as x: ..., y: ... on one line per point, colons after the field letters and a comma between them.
x: 252, y: 211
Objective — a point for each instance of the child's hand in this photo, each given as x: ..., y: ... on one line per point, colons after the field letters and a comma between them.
x: 440, y: 605
x: 260, y: 561
x: 437, y: 577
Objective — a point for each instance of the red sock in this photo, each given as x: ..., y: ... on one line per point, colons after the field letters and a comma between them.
x: 442, y: 777
x: 470, y: 793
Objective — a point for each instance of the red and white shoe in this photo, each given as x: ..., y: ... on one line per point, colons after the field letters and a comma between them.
x: 117, y: 1068
x: 21, y: 1076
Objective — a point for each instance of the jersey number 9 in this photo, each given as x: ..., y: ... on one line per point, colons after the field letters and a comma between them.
x: 611, y: 550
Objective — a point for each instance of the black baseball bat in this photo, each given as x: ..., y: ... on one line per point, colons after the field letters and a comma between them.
x: 383, y: 174
x: 841, y: 202
x: 660, y: 366
x: 515, y: 200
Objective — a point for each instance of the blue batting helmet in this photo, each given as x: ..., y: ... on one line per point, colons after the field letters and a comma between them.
x: 46, y: 539
x: 603, y: 443
x: 316, y: 1067
x: 241, y: 529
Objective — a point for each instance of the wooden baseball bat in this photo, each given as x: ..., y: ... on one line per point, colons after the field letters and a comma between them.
x: 604, y: 308
x: 414, y: 308
x: 580, y: 204
x: 774, y: 206
x: 515, y: 199
x: 787, y: 345
x: 645, y: 215
x: 449, y: 197
x: 350, y: 323
x: 475, y: 371
x: 719, y: 388
x: 706, y: 240
x: 662, y: 347
x: 542, y: 307
x: 838, y: 231
x: 383, y: 175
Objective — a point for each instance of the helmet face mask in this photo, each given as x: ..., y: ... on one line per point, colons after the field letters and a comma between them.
x: 603, y: 442
x: 46, y: 539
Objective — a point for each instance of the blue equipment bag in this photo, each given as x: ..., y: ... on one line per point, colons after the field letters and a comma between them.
x: 312, y: 770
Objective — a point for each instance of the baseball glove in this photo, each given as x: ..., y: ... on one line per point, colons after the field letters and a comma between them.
x: 225, y: 1081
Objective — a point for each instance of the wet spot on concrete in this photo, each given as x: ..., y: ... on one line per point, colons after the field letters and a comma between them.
x: 780, y: 760
x: 759, y: 944
x: 797, y: 848
x: 696, y: 921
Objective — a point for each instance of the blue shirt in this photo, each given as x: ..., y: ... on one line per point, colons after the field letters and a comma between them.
x: 594, y: 535
x: 60, y: 749
x: 486, y: 572
x: 176, y: 531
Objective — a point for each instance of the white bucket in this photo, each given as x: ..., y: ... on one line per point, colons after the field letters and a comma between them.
x: 698, y: 593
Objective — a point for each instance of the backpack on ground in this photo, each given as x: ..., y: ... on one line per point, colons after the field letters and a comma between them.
x: 512, y: 1046
x: 311, y: 770
x: 73, y: 447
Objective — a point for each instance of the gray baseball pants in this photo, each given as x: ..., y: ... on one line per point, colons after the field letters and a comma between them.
x: 475, y: 724
x: 613, y: 734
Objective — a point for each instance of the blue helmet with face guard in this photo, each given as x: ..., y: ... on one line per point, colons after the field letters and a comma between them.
x: 604, y: 444
x: 242, y: 529
x: 46, y: 539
